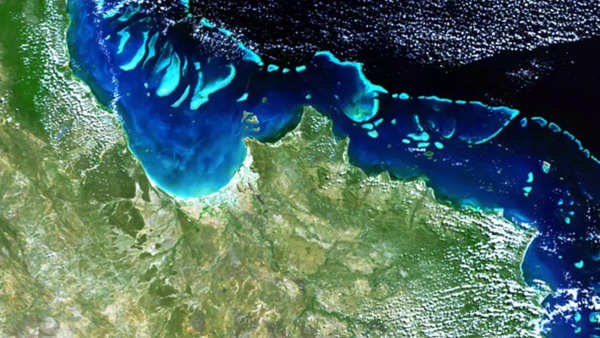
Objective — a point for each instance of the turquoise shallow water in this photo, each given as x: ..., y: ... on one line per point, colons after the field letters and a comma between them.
x: 187, y: 94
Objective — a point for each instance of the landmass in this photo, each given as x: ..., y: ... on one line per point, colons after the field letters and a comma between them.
x: 301, y: 243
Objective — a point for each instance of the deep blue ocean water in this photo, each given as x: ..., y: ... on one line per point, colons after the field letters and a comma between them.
x: 186, y: 110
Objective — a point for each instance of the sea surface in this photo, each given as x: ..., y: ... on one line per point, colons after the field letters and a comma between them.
x: 188, y: 92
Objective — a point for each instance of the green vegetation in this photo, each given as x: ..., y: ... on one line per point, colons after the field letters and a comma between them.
x: 300, y: 244
x: 21, y: 62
